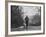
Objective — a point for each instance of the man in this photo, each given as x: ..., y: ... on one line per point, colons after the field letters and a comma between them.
x: 26, y: 21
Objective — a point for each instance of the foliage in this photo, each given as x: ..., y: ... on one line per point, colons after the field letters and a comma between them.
x: 16, y: 19
x: 36, y: 20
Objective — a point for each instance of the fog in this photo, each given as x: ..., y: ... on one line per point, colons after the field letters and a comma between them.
x: 29, y: 11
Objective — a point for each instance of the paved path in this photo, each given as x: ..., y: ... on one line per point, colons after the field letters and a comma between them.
x: 22, y: 28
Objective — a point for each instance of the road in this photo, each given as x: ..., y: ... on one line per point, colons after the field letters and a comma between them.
x: 22, y: 28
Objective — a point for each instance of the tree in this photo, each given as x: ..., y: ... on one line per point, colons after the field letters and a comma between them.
x: 36, y: 20
x: 16, y: 19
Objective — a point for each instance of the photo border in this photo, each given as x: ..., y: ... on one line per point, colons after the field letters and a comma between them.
x: 30, y: 3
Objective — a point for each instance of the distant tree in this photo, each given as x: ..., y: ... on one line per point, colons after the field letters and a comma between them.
x: 36, y: 20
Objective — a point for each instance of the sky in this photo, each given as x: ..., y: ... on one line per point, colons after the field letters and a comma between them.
x: 30, y: 10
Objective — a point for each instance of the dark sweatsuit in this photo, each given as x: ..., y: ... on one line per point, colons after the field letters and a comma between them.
x: 26, y: 20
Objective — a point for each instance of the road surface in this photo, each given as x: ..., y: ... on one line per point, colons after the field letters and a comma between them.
x: 22, y: 28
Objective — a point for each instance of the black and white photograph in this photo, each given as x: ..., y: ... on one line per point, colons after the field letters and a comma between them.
x: 25, y: 18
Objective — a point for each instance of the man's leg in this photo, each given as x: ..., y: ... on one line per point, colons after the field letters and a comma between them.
x: 26, y: 25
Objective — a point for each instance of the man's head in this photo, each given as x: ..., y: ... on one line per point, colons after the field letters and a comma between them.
x: 26, y: 16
